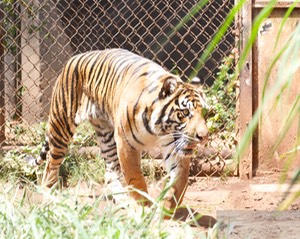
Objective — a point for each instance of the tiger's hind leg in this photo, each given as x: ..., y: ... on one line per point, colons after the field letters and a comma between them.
x: 59, y: 135
x: 108, y: 148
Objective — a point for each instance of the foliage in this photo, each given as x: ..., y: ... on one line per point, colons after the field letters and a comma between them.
x: 221, y: 97
x: 76, y: 167
x: 24, y: 134
x: 85, y: 135
x: 64, y: 215
x: 82, y: 167
x: 13, y: 167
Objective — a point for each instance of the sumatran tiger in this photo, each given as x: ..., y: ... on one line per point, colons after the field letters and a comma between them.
x: 133, y: 105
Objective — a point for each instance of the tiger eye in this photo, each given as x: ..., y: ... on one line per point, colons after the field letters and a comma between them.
x: 185, y: 112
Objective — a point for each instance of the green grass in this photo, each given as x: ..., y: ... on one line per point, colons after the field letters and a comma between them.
x: 60, y: 215
x: 28, y: 211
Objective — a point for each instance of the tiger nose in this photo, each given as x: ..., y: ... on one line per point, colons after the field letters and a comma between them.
x: 202, y: 136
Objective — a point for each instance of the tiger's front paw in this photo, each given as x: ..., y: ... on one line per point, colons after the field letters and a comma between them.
x: 114, y: 188
x: 119, y: 195
x: 169, y: 200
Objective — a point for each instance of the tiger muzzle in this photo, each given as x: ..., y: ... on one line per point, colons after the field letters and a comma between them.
x: 202, y: 138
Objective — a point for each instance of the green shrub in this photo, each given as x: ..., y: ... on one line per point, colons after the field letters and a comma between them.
x: 221, y: 96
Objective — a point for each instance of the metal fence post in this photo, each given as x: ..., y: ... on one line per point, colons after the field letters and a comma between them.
x: 2, y: 92
x: 245, y: 94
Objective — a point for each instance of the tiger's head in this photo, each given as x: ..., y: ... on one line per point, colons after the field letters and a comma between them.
x: 180, y: 118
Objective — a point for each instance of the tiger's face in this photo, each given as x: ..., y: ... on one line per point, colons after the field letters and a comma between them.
x: 181, y: 119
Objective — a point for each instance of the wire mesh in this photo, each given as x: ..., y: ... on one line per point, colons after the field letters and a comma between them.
x: 37, y: 37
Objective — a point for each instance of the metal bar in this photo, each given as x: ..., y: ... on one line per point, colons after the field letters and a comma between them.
x: 2, y: 89
x: 279, y: 4
x: 245, y: 97
x: 18, y: 63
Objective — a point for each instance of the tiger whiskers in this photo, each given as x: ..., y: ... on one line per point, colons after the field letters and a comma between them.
x: 175, y: 148
x: 186, y: 136
x: 176, y: 143
x: 176, y: 136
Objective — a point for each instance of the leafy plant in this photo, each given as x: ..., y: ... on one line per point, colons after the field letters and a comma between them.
x: 221, y: 96
x: 82, y: 167
x: 84, y: 135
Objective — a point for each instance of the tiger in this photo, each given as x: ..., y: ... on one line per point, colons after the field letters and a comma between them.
x: 134, y: 105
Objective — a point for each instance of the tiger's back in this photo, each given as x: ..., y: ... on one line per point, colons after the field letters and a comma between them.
x: 95, y: 77
x: 133, y: 104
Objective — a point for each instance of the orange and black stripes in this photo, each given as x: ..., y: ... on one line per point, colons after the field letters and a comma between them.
x: 133, y: 105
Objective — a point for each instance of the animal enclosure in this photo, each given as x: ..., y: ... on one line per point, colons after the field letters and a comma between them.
x: 38, y: 37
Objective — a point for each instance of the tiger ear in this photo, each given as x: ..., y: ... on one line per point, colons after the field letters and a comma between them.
x: 200, y: 88
x: 196, y: 81
x: 168, y: 88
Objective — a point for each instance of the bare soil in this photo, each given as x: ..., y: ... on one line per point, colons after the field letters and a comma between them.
x: 246, y: 208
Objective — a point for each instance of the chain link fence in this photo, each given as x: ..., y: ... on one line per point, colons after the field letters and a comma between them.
x: 38, y: 37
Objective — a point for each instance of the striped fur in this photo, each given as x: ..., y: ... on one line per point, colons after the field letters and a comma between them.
x: 134, y: 105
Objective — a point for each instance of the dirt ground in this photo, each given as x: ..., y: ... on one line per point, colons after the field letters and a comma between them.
x: 246, y: 208
x: 241, y: 208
